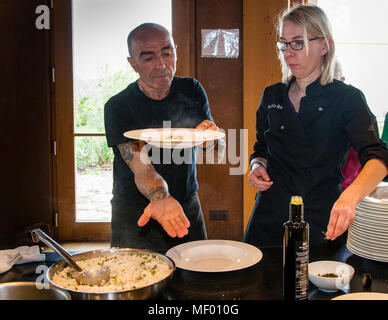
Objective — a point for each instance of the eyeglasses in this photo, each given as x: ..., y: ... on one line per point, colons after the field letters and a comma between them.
x: 295, y: 44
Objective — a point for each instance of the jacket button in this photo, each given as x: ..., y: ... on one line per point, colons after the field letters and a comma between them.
x: 282, y: 127
x: 320, y: 108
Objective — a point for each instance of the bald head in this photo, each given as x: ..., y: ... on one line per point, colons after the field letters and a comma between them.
x: 141, y: 31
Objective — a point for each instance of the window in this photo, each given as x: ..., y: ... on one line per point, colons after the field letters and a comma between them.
x: 90, y: 60
x: 100, y: 70
x: 360, y: 33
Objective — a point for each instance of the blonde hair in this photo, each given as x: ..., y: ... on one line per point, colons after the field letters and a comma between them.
x: 313, y: 20
x: 337, y: 70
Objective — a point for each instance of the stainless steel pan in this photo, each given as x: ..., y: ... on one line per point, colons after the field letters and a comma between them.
x: 143, y: 293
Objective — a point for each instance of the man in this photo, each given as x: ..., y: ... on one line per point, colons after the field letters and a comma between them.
x: 155, y: 204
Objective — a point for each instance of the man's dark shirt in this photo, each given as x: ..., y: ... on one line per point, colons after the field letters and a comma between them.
x: 185, y: 107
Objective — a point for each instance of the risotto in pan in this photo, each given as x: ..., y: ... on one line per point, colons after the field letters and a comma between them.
x: 129, y: 270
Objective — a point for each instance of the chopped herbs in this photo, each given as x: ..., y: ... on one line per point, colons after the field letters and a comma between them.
x: 328, y: 275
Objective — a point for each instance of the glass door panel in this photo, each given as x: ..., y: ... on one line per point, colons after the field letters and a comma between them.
x: 100, y: 70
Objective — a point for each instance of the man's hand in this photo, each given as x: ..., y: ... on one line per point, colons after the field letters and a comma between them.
x: 207, y: 124
x: 162, y: 207
x: 169, y: 213
x: 259, y: 178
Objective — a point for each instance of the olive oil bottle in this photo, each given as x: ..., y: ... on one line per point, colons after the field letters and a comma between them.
x: 295, y: 253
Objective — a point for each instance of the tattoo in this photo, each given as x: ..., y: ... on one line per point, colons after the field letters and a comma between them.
x: 158, y: 193
x: 127, y: 149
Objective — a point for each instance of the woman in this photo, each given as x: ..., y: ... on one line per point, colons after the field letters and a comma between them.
x: 305, y: 127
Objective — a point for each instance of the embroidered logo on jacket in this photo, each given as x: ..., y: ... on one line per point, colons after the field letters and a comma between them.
x: 275, y: 106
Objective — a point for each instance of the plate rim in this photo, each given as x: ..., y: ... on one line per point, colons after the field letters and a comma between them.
x: 192, y: 244
x: 136, y: 134
x: 360, y: 294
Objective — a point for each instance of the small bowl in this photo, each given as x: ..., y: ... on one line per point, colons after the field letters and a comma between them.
x: 344, y: 271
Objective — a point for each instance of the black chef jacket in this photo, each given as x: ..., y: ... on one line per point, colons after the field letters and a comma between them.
x: 306, y: 152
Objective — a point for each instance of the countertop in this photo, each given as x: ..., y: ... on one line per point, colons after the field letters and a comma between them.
x: 262, y: 281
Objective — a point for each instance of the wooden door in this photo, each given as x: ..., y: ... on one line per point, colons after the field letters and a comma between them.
x: 25, y: 120
x: 70, y: 227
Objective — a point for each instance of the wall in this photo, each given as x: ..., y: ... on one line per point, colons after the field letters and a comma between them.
x: 222, y: 79
x: 261, y: 68
x: 25, y: 115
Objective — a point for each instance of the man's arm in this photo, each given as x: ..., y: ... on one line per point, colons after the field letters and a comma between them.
x: 162, y: 207
x: 148, y: 181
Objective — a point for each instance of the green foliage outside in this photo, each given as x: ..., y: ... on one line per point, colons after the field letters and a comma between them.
x: 92, y: 153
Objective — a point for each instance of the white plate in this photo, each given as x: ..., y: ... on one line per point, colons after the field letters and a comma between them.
x: 371, y: 222
x: 368, y: 234
x: 378, y: 247
x: 175, y: 137
x: 378, y: 203
x: 379, y: 210
x: 368, y: 226
x: 362, y: 296
x: 214, y: 255
x: 379, y: 197
x: 362, y: 254
x: 356, y: 249
x: 379, y: 214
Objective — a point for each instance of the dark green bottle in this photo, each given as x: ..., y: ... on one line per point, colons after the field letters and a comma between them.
x: 295, y: 253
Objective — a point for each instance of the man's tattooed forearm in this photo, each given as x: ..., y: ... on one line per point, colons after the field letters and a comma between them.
x: 158, y: 193
x: 127, y: 149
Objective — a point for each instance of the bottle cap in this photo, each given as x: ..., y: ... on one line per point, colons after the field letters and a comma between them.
x: 296, y: 200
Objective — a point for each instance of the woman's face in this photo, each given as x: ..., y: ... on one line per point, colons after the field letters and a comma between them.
x: 301, y: 64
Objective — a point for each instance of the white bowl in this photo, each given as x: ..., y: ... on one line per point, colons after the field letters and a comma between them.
x: 344, y: 271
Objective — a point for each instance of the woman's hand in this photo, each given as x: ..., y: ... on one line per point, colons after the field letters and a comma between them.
x: 169, y: 213
x: 341, y: 215
x: 344, y: 209
x: 259, y: 178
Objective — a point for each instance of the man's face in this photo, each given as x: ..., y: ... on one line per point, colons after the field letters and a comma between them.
x: 154, y: 58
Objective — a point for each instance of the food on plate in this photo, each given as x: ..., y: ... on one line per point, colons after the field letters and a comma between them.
x: 129, y: 270
x: 176, y: 137
x: 170, y: 137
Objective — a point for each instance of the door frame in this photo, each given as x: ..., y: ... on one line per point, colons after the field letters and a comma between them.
x: 65, y: 197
